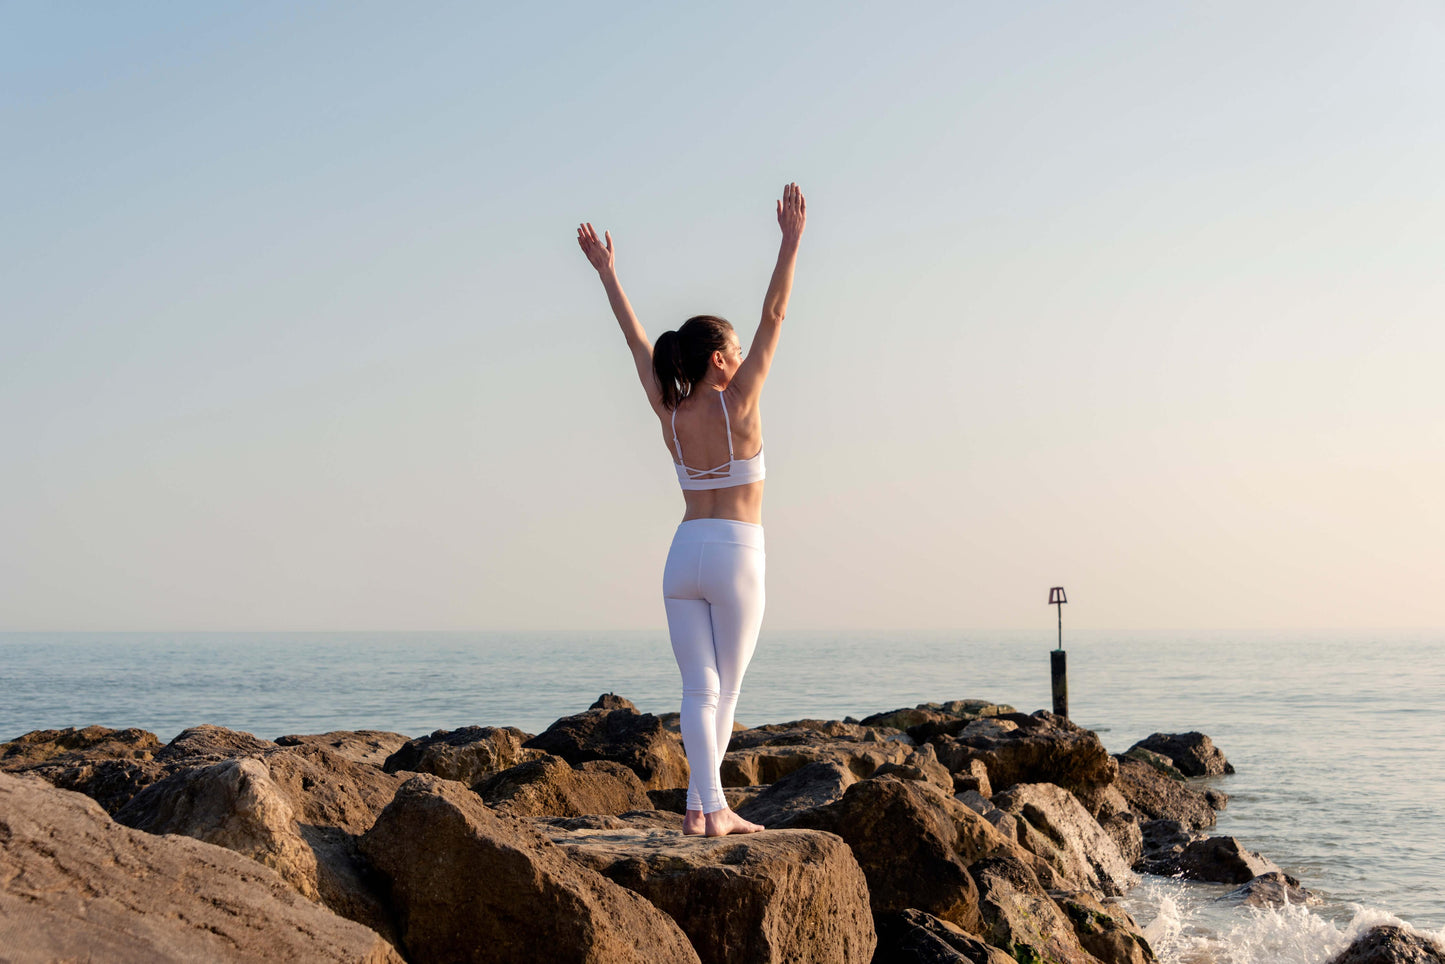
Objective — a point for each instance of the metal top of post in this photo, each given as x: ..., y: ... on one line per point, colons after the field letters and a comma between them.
x: 1057, y: 598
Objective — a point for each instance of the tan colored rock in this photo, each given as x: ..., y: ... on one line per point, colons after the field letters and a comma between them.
x: 468, y: 755
x: 814, y: 785
x: 1057, y: 828
x: 371, y: 747
x: 1389, y: 944
x: 110, y: 766
x: 1018, y: 915
x: 913, y: 937
x: 206, y: 744
x: 1106, y: 930
x: 472, y: 885
x: 760, y: 765
x: 551, y: 787
x: 972, y: 775
x: 1041, y: 748
x: 810, y: 732
x: 1154, y: 795
x: 78, y: 886
x: 636, y: 740
x: 914, y: 844
x: 793, y: 896
x: 675, y: 799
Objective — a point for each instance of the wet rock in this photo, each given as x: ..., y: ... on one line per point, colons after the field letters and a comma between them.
x: 914, y: 844
x: 160, y: 898
x: 913, y: 937
x: 360, y: 746
x: 785, y: 895
x: 1164, y: 841
x: 1388, y: 944
x: 551, y: 787
x: 1218, y: 859
x: 1155, y: 796
x: 1054, y: 826
x: 813, y: 785
x: 1042, y: 748
x: 1192, y: 754
x: 1273, y: 889
x: 1018, y: 915
x: 760, y: 765
x: 1105, y: 930
x: 471, y: 885
x: 636, y: 740
x: 468, y: 755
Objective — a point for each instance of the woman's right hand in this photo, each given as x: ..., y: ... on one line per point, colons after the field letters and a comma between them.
x: 792, y: 213
x: 604, y: 259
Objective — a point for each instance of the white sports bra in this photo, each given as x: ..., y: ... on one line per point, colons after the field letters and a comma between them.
x: 736, y: 471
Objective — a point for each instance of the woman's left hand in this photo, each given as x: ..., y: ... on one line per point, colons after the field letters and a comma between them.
x: 604, y: 259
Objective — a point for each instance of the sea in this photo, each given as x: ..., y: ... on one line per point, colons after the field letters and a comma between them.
x: 1338, y: 739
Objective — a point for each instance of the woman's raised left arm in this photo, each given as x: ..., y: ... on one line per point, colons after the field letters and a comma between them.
x: 604, y: 259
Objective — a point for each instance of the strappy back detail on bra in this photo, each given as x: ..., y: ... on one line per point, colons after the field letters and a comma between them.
x: 735, y: 471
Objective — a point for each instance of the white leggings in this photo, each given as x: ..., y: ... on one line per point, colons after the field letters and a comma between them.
x: 712, y: 587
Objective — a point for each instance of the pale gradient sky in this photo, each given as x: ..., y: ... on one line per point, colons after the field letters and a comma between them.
x: 1141, y: 299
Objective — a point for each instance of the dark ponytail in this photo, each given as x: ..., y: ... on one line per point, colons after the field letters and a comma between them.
x: 680, y: 358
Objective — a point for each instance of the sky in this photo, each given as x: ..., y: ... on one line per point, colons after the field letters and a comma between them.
x: 1139, y: 299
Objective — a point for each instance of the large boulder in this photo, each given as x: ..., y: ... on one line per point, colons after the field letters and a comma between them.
x: 914, y: 844
x: 1154, y: 795
x: 1164, y: 841
x: 360, y: 746
x: 927, y: 720
x: 674, y: 800
x: 1222, y: 860
x: 1042, y: 748
x: 1111, y: 809
x: 471, y: 885
x: 110, y: 766
x: 781, y: 896
x: 1388, y: 944
x: 1105, y: 930
x: 1192, y: 754
x: 813, y: 732
x: 78, y: 886
x: 206, y: 744
x: 468, y: 755
x: 1018, y: 915
x: 913, y: 937
x: 637, y: 740
x: 769, y: 763
x: 813, y: 785
x: 1054, y: 826
x: 550, y: 787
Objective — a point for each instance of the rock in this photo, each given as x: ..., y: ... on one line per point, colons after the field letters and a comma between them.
x: 1105, y: 930
x: 110, y: 766
x: 760, y: 765
x: 1019, y: 916
x: 914, y: 844
x: 1152, y: 795
x: 1273, y: 889
x: 360, y: 746
x: 1057, y: 828
x: 232, y: 804
x: 1388, y: 944
x: 631, y: 820
x: 1221, y: 860
x: 913, y: 937
x: 1042, y: 748
x: 902, y: 719
x: 1192, y: 754
x: 812, y: 733
x: 672, y: 722
x: 206, y: 744
x: 927, y: 720
x: 468, y: 755
x: 297, y: 810
x: 611, y: 701
x: 636, y: 740
x: 550, y: 787
x: 972, y: 775
x: 1164, y: 841
x: 81, y: 887
x: 784, y: 895
x: 1112, y: 811
x: 1158, y: 761
x: 812, y: 785
x: 472, y: 885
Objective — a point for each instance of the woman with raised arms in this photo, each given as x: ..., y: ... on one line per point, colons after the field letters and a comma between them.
x: 705, y: 395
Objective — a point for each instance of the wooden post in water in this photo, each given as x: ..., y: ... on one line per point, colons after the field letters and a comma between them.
x: 1058, y: 659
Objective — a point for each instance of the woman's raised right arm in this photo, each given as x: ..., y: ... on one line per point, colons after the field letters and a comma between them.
x: 792, y: 216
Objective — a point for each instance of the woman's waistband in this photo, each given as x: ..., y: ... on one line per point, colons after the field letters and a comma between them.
x: 720, y: 530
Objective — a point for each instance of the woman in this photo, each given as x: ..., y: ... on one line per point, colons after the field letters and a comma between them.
x: 705, y: 395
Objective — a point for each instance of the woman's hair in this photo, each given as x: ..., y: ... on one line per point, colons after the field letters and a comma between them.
x: 680, y: 358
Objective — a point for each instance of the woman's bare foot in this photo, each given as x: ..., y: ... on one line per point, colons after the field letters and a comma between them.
x: 693, y: 823
x: 722, y: 822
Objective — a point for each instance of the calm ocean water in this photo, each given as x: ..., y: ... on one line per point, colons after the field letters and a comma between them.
x: 1339, y: 739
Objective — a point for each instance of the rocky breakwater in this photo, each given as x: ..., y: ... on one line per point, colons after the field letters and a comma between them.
x: 951, y: 832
